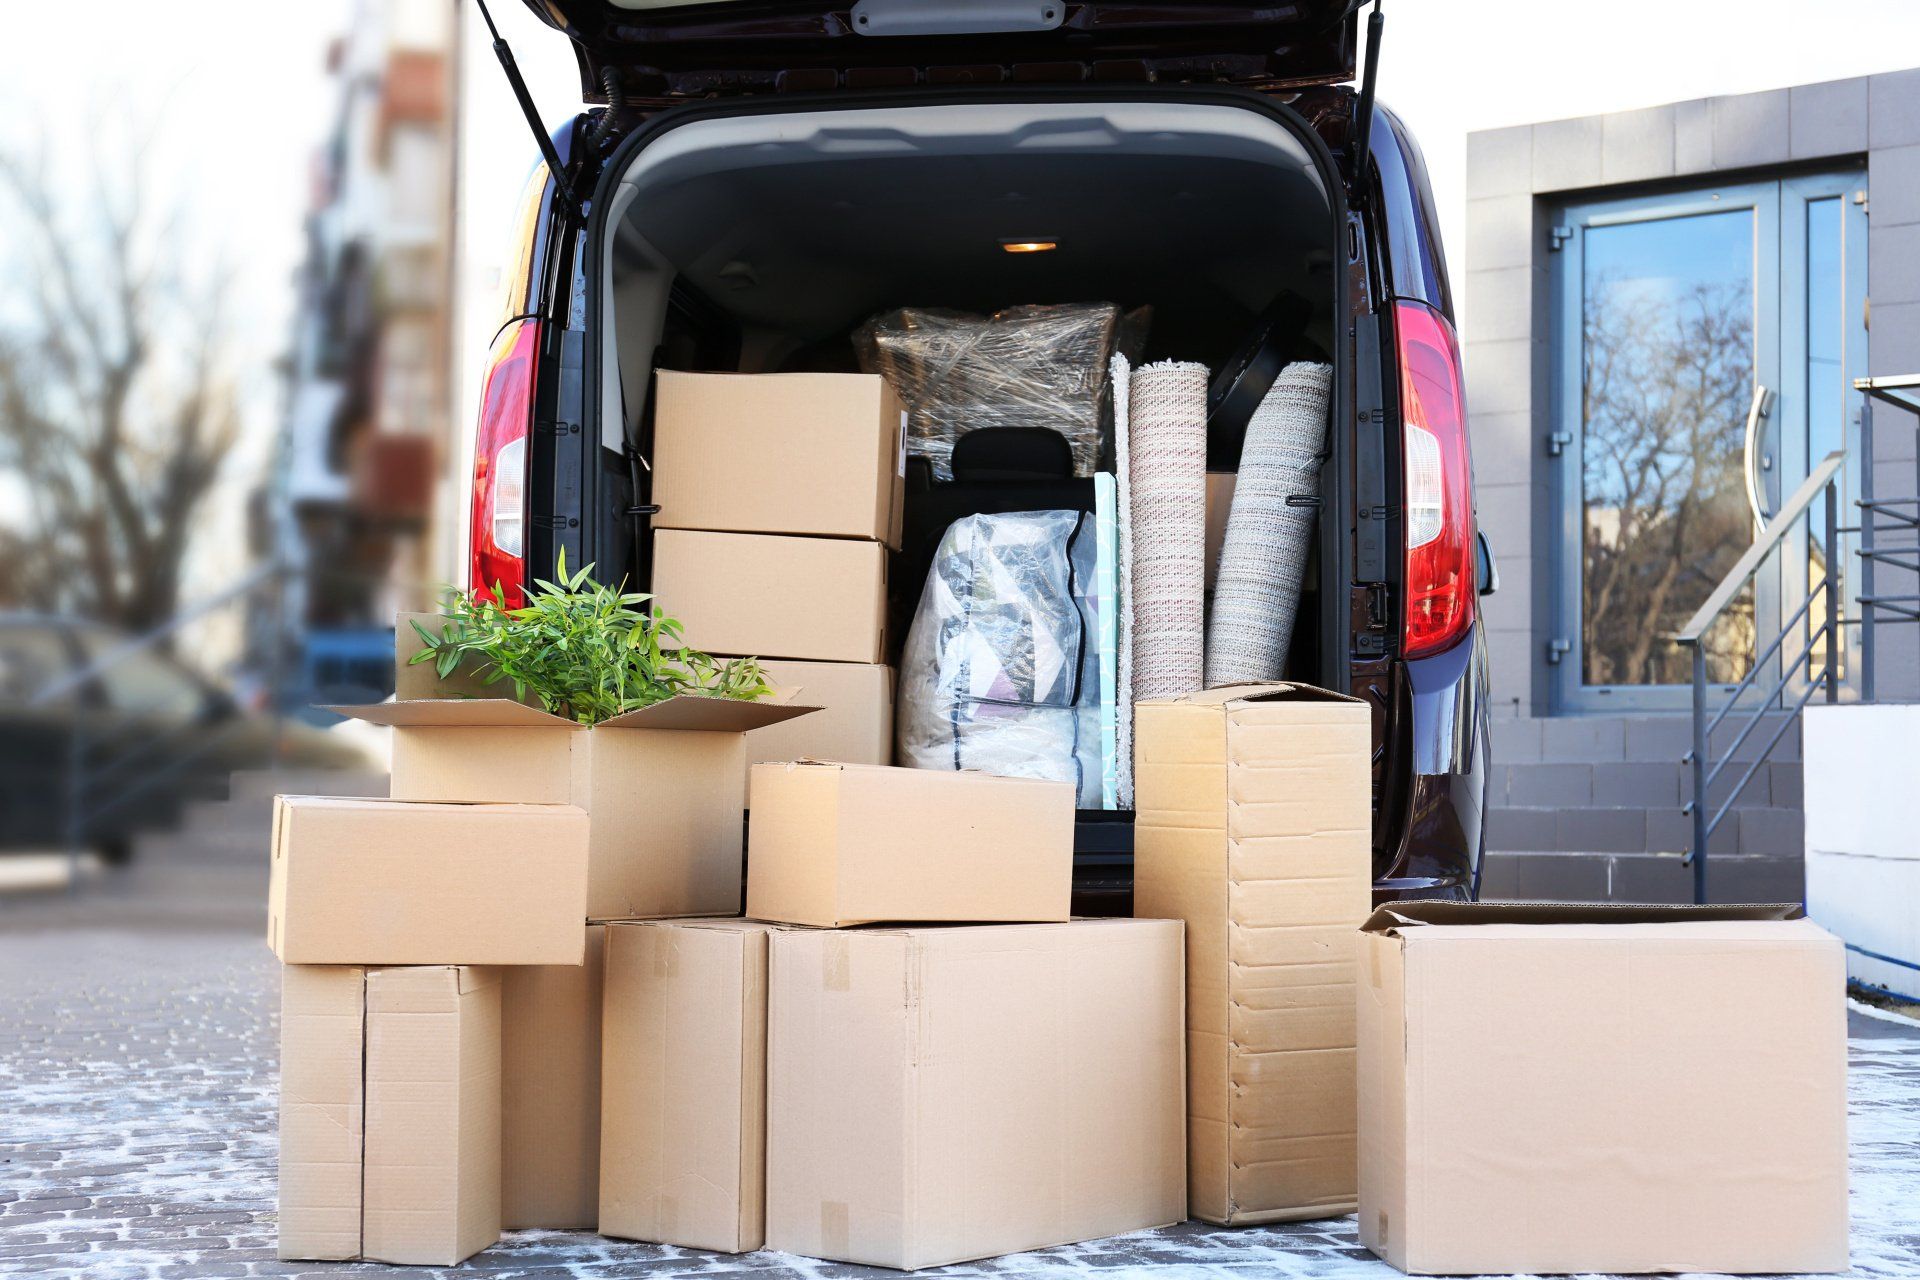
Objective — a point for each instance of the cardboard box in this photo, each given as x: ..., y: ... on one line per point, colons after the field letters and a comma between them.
x: 660, y: 786
x: 684, y: 1137
x: 854, y: 723
x: 1220, y: 486
x: 1551, y: 1089
x: 369, y: 881
x: 550, y: 1092
x: 322, y: 1109
x: 818, y: 599
x: 1253, y: 824
x: 838, y: 844
x: 389, y: 1113
x: 936, y: 1095
x: 809, y: 453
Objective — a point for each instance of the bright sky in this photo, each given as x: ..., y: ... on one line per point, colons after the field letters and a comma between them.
x: 235, y: 97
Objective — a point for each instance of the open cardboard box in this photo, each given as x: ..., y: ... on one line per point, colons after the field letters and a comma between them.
x: 661, y: 785
x: 1551, y: 1088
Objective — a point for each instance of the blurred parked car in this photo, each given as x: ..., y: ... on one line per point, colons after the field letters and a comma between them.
x: 101, y: 757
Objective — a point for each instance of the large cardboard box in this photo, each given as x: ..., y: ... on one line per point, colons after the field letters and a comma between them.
x: 1253, y: 824
x: 810, y: 453
x: 854, y: 723
x: 839, y: 844
x: 550, y: 1092
x: 370, y: 881
x: 660, y: 786
x: 1552, y: 1089
x: 941, y: 1094
x: 683, y: 1154
x: 389, y: 1113
x: 765, y: 596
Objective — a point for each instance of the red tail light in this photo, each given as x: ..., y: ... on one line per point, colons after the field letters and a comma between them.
x: 498, y: 539
x: 1438, y: 482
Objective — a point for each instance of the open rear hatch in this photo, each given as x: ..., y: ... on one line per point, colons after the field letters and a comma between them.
x: 669, y: 49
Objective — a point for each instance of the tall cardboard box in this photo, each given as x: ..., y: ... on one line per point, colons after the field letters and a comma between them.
x: 854, y: 723
x: 767, y: 596
x: 1552, y: 1089
x: 838, y: 844
x: 683, y: 1154
x: 550, y: 1092
x: 323, y: 1010
x: 1253, y: 824
x: 660, y: 786
x: 354, y: 880
x: 389, y: 1113
x: 810, y: 453
x: 936, y: 1095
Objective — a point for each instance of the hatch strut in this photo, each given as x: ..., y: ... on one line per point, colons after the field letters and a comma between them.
x: 1363, y: 107
x: 519, y: 87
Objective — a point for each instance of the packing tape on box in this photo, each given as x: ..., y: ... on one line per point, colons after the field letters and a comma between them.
x: 835, y: 964
x: 833, y: 1227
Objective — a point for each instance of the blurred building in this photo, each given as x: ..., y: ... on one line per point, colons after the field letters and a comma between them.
x: 355, y: 502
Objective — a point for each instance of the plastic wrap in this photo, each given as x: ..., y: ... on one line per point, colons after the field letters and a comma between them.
x: 1041, y: 366
x: 1001, y: 669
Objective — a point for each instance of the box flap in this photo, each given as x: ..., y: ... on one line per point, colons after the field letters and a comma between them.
x: 713, y: 715
x: 1254, y: 691
x: 471, y: 713
x: 1395, y: 917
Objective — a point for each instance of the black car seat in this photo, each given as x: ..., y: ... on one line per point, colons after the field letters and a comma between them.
x: 995, y: 470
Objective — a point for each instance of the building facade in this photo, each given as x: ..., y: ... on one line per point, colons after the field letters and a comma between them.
x: 1667, y: 310
x: 356, y: 506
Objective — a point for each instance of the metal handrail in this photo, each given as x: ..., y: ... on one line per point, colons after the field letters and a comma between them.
x: 154, y: 636
x: 1820, y: 678
x: 95, y: 787
x: 1770, y: 537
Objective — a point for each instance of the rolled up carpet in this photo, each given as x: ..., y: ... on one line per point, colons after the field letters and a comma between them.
x: 1270, y: 529
x: 1167, y: 471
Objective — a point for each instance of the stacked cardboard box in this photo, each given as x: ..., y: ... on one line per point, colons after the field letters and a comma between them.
x: 1254, y: 826
x: 441, y: 997
x: 970, y: 1072
x: 906, y: 1094
x: 779, y: 497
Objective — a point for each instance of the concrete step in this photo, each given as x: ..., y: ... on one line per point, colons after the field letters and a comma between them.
x: 1637, y: 877
x: 262, y: 785
x: 1635, y: 784
x: 252, y: 801
x: 243, y: 845
x: 1647, y: 739
x: 235, y: 830
x: 1754, y: 831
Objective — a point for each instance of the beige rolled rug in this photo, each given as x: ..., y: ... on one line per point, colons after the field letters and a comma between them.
x: 1167, y: 499
x: 1270, y: 529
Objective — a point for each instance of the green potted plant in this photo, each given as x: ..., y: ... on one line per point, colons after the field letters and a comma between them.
x: 585, y: 650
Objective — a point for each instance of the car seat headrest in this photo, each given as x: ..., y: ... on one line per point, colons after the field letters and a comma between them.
x: 1012, y: 453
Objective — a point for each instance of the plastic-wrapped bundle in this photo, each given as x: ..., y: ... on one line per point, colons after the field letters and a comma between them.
x: 1001, y: 669
x: 1040, y: 366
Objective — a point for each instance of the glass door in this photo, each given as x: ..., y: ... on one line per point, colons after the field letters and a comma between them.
x: 1685, y: 367
x: 1823, y: 300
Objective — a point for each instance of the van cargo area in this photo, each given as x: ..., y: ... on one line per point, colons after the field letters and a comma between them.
x: 760, y: 243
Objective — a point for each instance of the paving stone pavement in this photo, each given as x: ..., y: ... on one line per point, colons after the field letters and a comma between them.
x: 138, y: 1077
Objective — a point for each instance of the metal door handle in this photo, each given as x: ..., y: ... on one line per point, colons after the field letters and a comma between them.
x: 1756, y: 414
